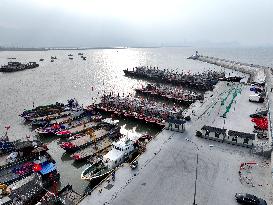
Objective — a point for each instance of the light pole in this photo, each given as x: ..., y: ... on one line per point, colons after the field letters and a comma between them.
x: 196, y: 169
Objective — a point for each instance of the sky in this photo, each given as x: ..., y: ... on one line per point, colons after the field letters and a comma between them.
x: 107, y: 23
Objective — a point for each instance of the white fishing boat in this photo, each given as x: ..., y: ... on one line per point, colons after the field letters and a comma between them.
x: 121, y: 151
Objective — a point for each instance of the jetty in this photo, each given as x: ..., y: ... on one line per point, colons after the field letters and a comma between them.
x: 256, y: 72
x: 200, y: 81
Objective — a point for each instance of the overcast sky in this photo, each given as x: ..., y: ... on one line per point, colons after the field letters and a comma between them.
x: 94, y: 23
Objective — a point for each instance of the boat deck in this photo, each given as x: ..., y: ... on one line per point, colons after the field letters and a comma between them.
x: 87, y: 138
x: 93, y: 149
x: 53, y: 116
x: 82, y: 127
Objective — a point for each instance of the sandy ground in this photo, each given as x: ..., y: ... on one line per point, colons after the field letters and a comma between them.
x: 166, y: 171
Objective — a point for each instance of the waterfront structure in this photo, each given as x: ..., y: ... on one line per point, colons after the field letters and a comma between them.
x: 175, y: 125
x: 213, y: 133
x: 240, y: 138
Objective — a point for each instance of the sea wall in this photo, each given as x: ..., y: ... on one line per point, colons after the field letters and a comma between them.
x: 256, y: 72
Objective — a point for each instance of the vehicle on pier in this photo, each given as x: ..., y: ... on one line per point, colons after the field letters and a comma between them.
x: 249, y: 199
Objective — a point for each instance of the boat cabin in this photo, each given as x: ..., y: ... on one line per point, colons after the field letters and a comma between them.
x: 120, y: 151
x: 240, y: 138
x: 213, y: 133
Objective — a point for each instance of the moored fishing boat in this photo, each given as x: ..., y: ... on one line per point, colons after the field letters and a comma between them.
x: 16, y: 171
x: 41, y: 111
x: 79, y: 128
x: 121, y: 151
x: 90, y: 137
x: 30, y: 189
x: 22, y: 151
x: 202, y: 81
x: 136, y: 108
x: 174, y: 94
x: 17, y: 66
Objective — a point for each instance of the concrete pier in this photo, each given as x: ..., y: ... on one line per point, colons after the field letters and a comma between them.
x: 256, y: 72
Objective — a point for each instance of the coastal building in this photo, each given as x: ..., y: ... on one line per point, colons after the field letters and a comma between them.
x: 177, y: 125
x: 213, y: 133
x: 240, y: 138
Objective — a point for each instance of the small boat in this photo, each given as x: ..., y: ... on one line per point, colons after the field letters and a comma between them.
x: 70, y: 58
x: 84, y: 58
x: 41, y: 59
x: 45, y: 110
x: 81, y: 141
x: 70, y: 55
x: 80, y: 54
x: 77, y: 129
x: 121, y: 151
x: 53, y: 57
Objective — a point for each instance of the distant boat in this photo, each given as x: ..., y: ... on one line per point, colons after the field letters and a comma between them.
x: 53, y: 57
x: 11, y: 58
x: 84, y: 58
x: 70, y: 55
x: 17, y: 66
x: 70, y: 58
x: 52, y: 60
x: 41, y: 59
x: 80, y: 54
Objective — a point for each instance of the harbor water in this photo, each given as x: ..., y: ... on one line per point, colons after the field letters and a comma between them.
x: 101, y: 72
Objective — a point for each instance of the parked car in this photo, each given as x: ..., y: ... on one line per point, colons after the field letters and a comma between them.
x: 256, y: 98
x: 259, y: 114
x: 249, y: 199
x: 134, y: 164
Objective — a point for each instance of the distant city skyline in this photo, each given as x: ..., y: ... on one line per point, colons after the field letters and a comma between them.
x: 105, y: 23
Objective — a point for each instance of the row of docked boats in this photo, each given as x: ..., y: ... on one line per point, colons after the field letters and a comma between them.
x: 201, y: 81
x: 136, y: 108
x: 166, y: 92
x: 26, y: 171
x: 17, y: 66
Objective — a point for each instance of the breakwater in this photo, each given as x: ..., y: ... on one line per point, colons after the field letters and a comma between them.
x: 255, y: 72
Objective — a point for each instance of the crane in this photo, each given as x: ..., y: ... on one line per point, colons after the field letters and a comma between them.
x: 92, y: 135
